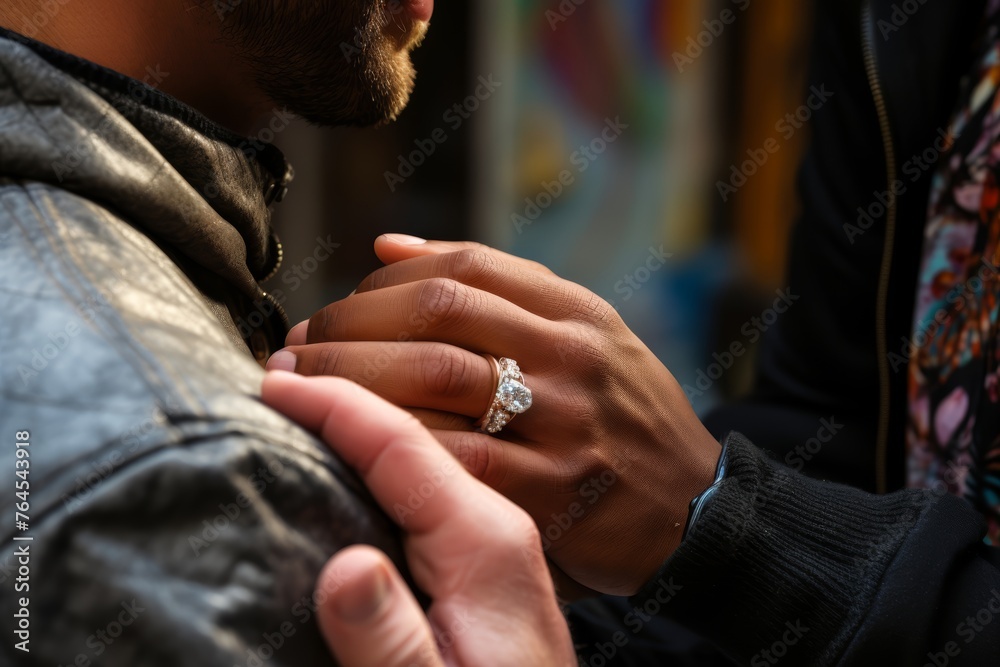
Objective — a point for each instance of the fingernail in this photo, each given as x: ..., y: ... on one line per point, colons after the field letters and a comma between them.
x: 404, y: 239
x: 282, y: 360
x: 361, y: 599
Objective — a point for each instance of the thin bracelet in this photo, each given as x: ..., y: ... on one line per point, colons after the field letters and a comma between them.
x: 699, y: 502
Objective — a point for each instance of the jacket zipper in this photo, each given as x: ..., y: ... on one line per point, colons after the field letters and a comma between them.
x: 871, y: 68
x: 275, y: 193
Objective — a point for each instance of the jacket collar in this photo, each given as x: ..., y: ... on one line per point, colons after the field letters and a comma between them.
x: 187, y: 182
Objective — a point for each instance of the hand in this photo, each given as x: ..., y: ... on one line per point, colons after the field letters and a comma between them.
x: 472, y: 551
x: 609, y: 456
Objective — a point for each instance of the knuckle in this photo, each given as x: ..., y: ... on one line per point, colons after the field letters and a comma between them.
x: 446, y: 372
x: 582, y: 350
x: 442, y: 300
x: 473, y: 265
x: 593, y: 308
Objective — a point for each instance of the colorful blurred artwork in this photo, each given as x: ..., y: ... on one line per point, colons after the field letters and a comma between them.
x: 606, y: 156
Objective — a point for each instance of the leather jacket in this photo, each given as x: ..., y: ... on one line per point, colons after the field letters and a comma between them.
x: 170, y: 518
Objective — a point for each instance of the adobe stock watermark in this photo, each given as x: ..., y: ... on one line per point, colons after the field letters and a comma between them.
x: 900, y: 16
x: 913, y: 168
x: 294, y: 277
x: 297, y: 274
x: 967, y: 630
x: 305, y: 608
x: 580, y: 161
x: 454, y: 118
x: 44, y: 12
x: 263, y: 310
x: 416, y: 497
x: 807, y: 451
x: 635, y: 620
x: 562, y: 12
x: 713, y: 29
x: 103, y: 638
x: 632, y: 283
x: 129, y: 442
x: 751, y: 331
x: 786, y: 128
x: 278, y: 121
x: 56, y: 342
x: 75, y: 156
x: 589, y: 493
x: 229, y: 513
x: 375, y: 366
x: 779, y: 649
x: 941, y: 317
x: 802, y: 454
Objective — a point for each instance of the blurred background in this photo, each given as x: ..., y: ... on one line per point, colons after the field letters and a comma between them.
x: 622, y: 145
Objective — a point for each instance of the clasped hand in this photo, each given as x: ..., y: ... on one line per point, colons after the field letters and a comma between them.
x: 609, y: 456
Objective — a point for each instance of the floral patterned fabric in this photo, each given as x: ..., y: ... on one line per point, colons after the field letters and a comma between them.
x: 953, y: 431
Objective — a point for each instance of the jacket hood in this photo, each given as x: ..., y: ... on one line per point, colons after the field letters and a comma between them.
x: 189, y: 184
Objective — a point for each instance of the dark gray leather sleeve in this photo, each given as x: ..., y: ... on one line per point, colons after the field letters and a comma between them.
x: 175, y: 520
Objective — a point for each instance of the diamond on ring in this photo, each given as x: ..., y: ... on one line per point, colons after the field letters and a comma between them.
x: 512, y: 397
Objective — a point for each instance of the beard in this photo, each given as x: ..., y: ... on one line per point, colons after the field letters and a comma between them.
x: 332, y: 62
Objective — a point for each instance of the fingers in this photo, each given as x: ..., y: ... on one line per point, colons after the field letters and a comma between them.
x: 391, y: 451
x: 439, y: 310
x: 392, y: 248
x: 298, y: 334
x: 443, y: 421
x: 369, y: 617
x: 412, y: 375
x: 542, y: 293
x: 510, y: 468
x: 467, y: 547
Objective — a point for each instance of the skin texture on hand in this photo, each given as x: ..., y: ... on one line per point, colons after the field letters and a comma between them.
x: 610, y: 454
x: 472, y: 551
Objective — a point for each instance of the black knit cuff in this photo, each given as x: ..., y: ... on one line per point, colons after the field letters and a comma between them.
x: 781, y: 564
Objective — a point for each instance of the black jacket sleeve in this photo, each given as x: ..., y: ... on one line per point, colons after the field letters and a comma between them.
x: 780, y: 564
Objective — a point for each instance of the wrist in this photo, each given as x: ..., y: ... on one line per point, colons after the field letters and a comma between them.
x: 700, y: 501
x: 703, y: 459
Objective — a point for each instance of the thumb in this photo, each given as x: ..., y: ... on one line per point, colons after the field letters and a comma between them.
x: 369, y: 617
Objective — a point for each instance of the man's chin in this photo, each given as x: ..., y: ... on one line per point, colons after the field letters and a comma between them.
x: 399, y: 97
x: 398, y: 76
x: 366, y: 81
